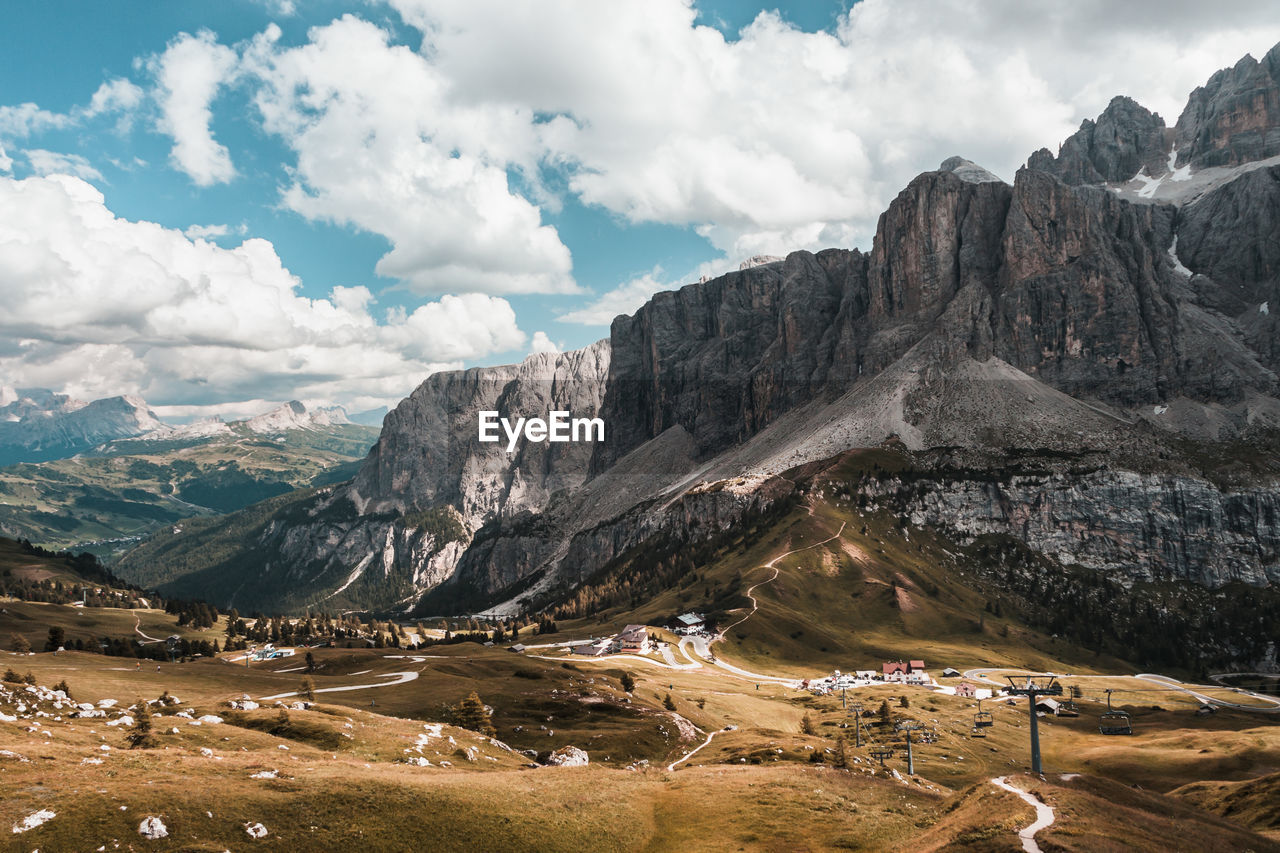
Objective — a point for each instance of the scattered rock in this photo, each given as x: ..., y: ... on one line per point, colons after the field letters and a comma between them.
x: 568, y: 756
x: 153, y: 828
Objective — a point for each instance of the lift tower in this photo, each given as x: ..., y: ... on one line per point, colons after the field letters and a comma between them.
x: 1032, y: 686
x: 909, y: 726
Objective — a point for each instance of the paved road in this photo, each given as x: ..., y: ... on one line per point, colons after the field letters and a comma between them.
x: 398, y: 678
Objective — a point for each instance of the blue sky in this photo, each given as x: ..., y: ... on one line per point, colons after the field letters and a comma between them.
x: 479, y: 182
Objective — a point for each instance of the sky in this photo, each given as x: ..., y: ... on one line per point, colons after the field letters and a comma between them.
x: 221, y: 206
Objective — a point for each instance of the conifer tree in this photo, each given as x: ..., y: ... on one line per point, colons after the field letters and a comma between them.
x: 140, y: 736
x: 668, y: 702
x: 806, y: 724
x: 841, y: 757
x: 471, y: 714
x: 628, y: 683
x: 308, y: 689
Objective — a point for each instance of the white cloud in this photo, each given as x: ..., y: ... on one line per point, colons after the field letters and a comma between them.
x: 206, y: 232
x: 6, y: 162
x: 280, y: 8
x: 99, y: 305
x: 22, y: 120
x: 383, y: 146
x: 783, y: 139
x: 623, y: 299
x: 188, y: 76
x: 115, y: 95
x: 541, y: 343
x: 53, y: 163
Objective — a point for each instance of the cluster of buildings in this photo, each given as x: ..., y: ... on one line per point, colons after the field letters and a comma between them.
x: 633, y: 639
x: 910, y: 672
x: 270, y: 652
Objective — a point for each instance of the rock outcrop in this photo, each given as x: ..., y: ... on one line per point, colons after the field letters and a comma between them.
x: 1136, y: 526
x: 1235, y: 117
x: 1125, y: 140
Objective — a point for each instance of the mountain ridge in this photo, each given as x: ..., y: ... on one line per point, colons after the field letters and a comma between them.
x: 1049, y: 315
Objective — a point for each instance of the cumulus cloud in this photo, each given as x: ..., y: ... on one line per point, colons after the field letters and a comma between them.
x: 6, y: 162
x: 188, y: 76
x: 541, y: 343
x: 115, y: 95
x: 99, y: 305
x: 623, y: 299
x: 782, y: 139
x: 381, y: 144
x: 51, y: 163
x: 206, y: 232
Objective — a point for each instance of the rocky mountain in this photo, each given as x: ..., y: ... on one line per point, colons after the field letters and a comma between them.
x: 1114, y: 301
x: 37, y: 424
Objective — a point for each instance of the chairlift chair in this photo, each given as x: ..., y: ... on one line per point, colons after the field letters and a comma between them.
x: 983, y: 719
x: 977, y: 732
x: 1114, y: 721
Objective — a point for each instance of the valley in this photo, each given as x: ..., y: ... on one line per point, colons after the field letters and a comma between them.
x: 726, y: 722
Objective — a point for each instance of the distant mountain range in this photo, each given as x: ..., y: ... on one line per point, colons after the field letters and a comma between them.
x: 37, y: 425
x: 1090, y: 356
x: 112, y: 472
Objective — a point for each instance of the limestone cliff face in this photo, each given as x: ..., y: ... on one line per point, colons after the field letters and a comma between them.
x: 1230, y: 237
x: 429, y: 453
x: 724, y: 358
x: 1140, y: 527
x: 1235, y: 117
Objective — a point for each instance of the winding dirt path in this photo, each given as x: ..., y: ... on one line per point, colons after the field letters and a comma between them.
x: 772, y: 564
x: 682, y: 759
x: 137, y: 626
x: 1044, y: 815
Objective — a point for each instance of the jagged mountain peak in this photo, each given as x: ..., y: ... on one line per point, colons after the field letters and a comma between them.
x: 295, y: 415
